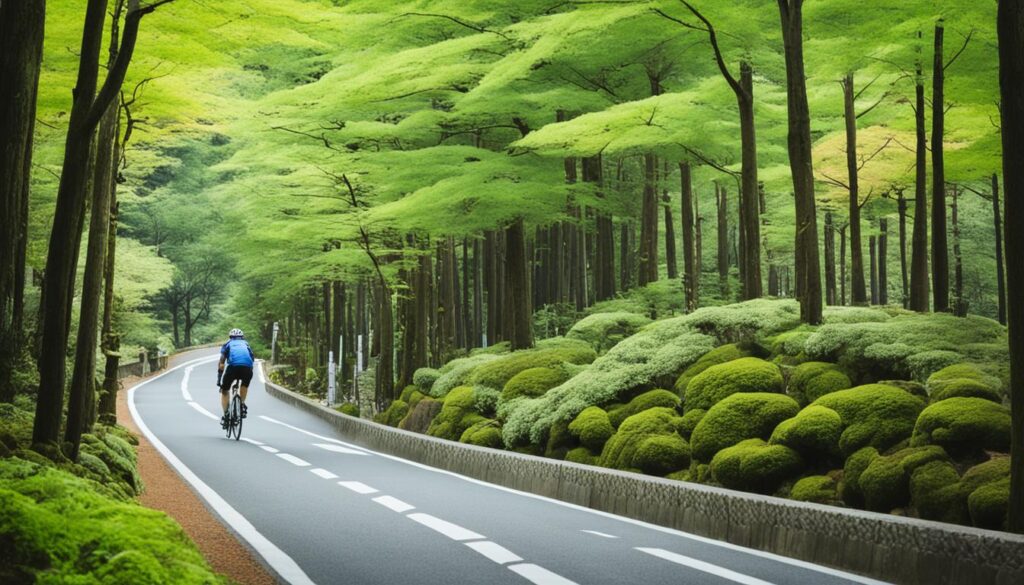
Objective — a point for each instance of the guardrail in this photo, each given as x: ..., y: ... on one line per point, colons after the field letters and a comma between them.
x: 881, y: 546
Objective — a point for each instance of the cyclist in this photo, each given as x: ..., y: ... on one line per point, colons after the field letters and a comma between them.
x: 238, y: 356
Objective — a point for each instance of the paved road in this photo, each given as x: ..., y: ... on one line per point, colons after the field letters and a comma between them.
x: 320, y: 509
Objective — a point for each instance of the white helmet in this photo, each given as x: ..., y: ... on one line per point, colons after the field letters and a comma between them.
x: 236, y: 333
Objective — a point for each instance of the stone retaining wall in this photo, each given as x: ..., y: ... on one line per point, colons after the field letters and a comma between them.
x: 882, y: 546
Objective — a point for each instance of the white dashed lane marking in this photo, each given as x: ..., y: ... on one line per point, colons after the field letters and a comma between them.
x: 268, y: 449
x: 394, y: 504
x: 601, y: 534
x: 323, y: 473
x: 252, y: 441
x: 294, y: 460
x: 539, y: 575
x: 358, y: 487
x: 704, y: 567
x: 452, y: 531
x: 494, y: 552
x: 339, y: 449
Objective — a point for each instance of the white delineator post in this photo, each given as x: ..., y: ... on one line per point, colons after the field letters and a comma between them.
x: 330, y: 378
x: 273, y: 344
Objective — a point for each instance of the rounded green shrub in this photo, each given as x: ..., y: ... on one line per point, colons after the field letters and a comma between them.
x: 623, y: 449
x: 485, y: 433
x: 719, y: 355
x: 966, y: 388
x: 582, y: 455
x: 742, y: 375
x: 755, y: 466
x: 603, y: 331
x: 421, y: 416
x: 496, y: 373
x: 811, y: 380
x: 964, y: 426
x: 592, y: 428
x: 349, y: 408
x: 689, y: 421
x: 662, y: 454
x: 814, y: 432
x: 533, y: 382
x: 394, y: 413
x: 937, y: 493
x: 815, y: 488
x: 560, y: 441
x: 885, y: 482
x: 650, y: 399
x: 849, y: 487
x: 458, y: 373
x: 457, y: 414
x: 993, y: 470
x: 738, y: 417
x: 957, y: 379
x: 989, y: 505
x: 874, y: 415
x: 909, y: 386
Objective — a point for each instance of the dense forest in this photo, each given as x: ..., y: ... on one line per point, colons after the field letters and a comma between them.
x: 685, y: 238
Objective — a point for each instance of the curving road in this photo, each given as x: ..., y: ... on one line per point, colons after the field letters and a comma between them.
x: 320, y: 509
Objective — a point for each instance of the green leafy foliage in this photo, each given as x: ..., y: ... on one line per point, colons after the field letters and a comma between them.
x: 755, y: 466
x: 963, y: 380
x: 814, y: 433
x: 496, y: 373
x: 533, y: 382
x: 964, y: 426
x: 604, y: 330
x: 719, y: 355
x: 647, y: 442
x: 874, y: 415
x: 737, y: 418
x: 640, y: 403
x: 820, y: 489
x: 456, y: 415
x: 885, y: 482
x: 592, y: 428
x: 743, y: 375
x: 810, y: 381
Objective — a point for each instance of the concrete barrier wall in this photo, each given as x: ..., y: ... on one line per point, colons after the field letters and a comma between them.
x: 882, y: 546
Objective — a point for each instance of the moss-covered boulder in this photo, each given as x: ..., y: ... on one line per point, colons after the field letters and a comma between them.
x: 349, y: 408
x: 849, y: 488
x: 937, y: 493
x: 964, y: 426
x: 420, y: 417
x: 650, y: 399
x: 814, y: 433
x: 810, y: 381
x: 424, y: 378
x: 533, y: 382
x: 485, y: 433
x: 583, y: 456
x: 989, y: 505
x: 496, y: 373
x: 592, y: 428
x: 603, y: 331
x: 964, y: 381
x: 647, y: 442
x: 874, y: 415
x: 393, y: 414
x: 743, y: 375
x: 719, y: 355
x: 688, y: 422
x: 739, y: 417
x: 457, y: 414
x: 820, y: 489
x: 755, y: 466
x: 885, y: 482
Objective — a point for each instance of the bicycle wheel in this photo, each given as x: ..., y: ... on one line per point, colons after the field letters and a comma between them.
x: 236, y: 416
x: 231, y: 421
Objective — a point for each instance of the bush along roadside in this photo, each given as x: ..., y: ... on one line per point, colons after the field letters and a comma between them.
x: 878, y: 408
x: 79, y: 522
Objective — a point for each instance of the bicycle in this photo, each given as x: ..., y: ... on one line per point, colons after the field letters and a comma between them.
x: 235, y: 412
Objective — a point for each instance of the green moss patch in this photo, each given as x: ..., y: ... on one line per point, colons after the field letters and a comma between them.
x: 719, y: 355
x: 533, y: 382
x: 820, y: 489
x: 814, y: 433
x: 739, y: 417
x: 602, y: 331
x: 742, y: 375
x: 647, y: 442
x: 755, y: 466
x: 964, y: 426
x: 885, y: 482
x: 592, y: 428
x: 811, y: 380
x: 485, y: 433
x: 651, y: 399
x: 873, y: 415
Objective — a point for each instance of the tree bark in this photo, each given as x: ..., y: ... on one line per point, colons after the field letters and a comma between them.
x: 1000, y: 271
x: 830, y: 260
x: 872, y: 247
x: 723, y: 240
x: 940, y: 244
x: 604, y: 248
x: 672, y: 265
x: 22, y: 25
x: 648, y: 272
x: 960, y: 306
x: 858, y: 290
x: 1011, y: 72
x: 919, y: 243
x: 111, y: 341
x: 690, y: 276
x: 750, y: 224
x: 478, y: 295
x: 842, y: 264
x: 905, y: 280
x: 883, y: 261
x: 698, y: 241
x: 520, y: 317
x: 808, y: 265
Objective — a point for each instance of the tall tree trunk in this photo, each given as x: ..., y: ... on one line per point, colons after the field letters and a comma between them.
x: 670, y: 238
x: 1011, y: 71
x: 872, y: 246
x: 883, y: 261
x: 21, y: 52
x: 698, y: 241
x: 604, y: 248
x: 421, y: 332
x: 337, y: 292
x: 808, y: 265
x: 111, y: 341
x: 478, y: 295
x: 690, y: 276
x: 520, y: 317
x: 624, y: 253
x: 648, y: 272
x: 902, y: 208
x: 940, y: 246
x: 858, y: 290
x: 465, y: 321
x: 959, y: 302
x: 723, y: 240
x: 842, y: 264
x: 750, y: 224
x: 1000, y: 271
x: 919, y: 243
x: 830, y: 260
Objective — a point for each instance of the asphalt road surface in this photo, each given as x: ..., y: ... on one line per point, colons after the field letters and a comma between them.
x: 320, y: 509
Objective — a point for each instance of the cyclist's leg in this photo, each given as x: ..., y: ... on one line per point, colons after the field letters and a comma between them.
x: 225, y: 387
x: 246, y: 377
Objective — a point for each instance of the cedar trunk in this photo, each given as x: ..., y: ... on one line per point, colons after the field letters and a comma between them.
x: 940, y: 245
x: 750, y: 223
x: 858, y: 290
x: 520, y: 316
x: 690, y: 276
x: 830, y: 260
x: 1000, y: 271
x: 919, y: 243
x: 883, y: 260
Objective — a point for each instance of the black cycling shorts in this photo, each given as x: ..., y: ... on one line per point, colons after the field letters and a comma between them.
x: 232, y: 373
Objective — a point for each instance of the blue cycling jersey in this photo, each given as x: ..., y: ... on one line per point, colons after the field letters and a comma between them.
x: 237, y: 353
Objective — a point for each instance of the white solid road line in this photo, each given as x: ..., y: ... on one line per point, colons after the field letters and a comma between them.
x: 339, y: 449
x: 704, y: 567
x: 314, y: 435
x: 494, y: 552
x: 394, y: 504
x: 269, y: 449
x: 358, y: 487
x: 452, y: 531
x: 601, y: 534
x: 279, y: 562
x: 202, y: 410
x: 184, y: 384
x: 323, y: 473
x: 294, y: 460
x: 539, y: 575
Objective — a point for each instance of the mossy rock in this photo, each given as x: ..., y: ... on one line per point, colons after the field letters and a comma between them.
x: 421, y: 416
x: 623, y: 450
x: 394, y: 413
x: 592, y: 428
x: 937, y: 493
x: 964, y: 426
x: 810, y: 381
x: 873, y: 415
x: 885, y: 482
x: 349, y: 408
x: 849, y: 488
x: 719, y: 355
x: 645, y: 401
x: 814, y: 433
x: 720, y: 381
x: 989, y: 505
x: 583, y: 456
x: 533, y: 382
x: 755, y: 466
x: 964, y: 381
x: 739, y: 417
x: 560, y: 441
x: 909, y: 386
x: 688, y: 422
x: 496, y: 373
x: 424, y: 378
x: 993, y: 470
x: 457, y: 414
x: 820, y: 489
x: 407, y: 393
x: 486, y: 433
x: 604, y: 330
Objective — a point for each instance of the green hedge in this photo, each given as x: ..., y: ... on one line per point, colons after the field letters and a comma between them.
x: 814, y: 433
x: 650, y: 399
x: 457, y: 414
x: 647, y: 442
x: 533, y: 382
x: 719, y: 355
x: 755, y: 466
x: 885, y: 482
x: 592, y: 428
x: 964, y: 426
x: 485, y: 433
x: 496, y: 373
x: 603, y: 331
x: 820, y: 489
x: 739, y: 417
x: 743, y: 375
x: 810, y: 381
x: 965, y: 381
x: 873, y: 415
